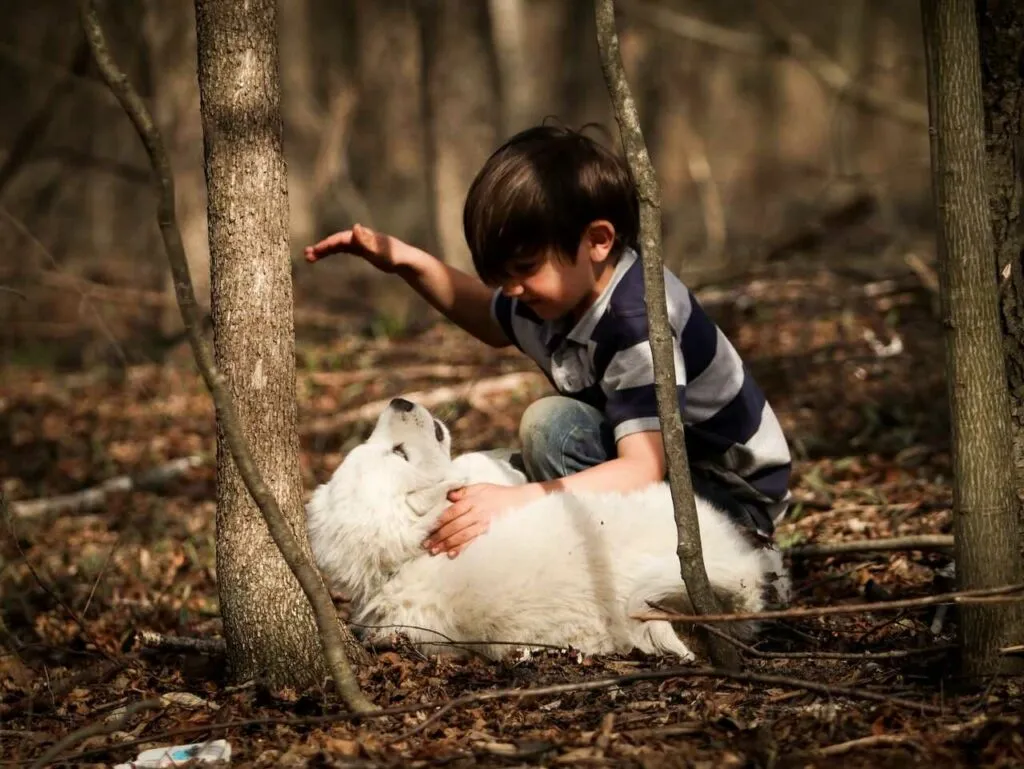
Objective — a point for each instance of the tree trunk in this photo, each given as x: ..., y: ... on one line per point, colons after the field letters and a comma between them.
x: 460, y: 111
x: 268, y: 624
x: 1001, y: 31
x: 689, y: 549
x: 984, y: 511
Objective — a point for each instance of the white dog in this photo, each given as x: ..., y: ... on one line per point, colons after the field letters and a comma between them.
x: 565, y: 570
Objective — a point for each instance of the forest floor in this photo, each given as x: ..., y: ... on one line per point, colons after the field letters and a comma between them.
x: 852, y: 367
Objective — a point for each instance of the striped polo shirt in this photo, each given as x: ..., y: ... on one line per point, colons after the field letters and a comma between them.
x: 605, y: 360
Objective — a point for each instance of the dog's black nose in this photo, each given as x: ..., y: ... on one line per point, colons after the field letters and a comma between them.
x: 401, y: 404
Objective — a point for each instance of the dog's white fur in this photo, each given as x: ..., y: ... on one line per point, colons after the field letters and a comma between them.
x: 566, y: 570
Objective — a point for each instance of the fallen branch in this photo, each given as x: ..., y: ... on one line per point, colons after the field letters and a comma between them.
x: 1005, y: 594
x: 331, y: 635
x: 916, y: 542
x: 481, y: 388
x: 94, y: 498
x: 860, y: 656
x: 872, y: 741
x: 153, y: 640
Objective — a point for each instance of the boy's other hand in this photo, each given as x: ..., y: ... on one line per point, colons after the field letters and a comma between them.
x: 471, y: 512
x: 382, y: 251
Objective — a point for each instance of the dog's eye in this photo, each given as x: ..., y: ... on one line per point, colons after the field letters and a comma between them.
x: 399, y: 448
x: 438, y: 432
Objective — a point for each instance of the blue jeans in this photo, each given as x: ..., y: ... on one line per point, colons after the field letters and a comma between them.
x: 561, y: 436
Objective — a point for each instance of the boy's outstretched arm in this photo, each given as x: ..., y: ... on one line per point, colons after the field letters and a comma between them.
x: 462, y: 298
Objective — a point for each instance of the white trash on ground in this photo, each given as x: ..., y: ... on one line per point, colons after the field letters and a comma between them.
x: 178, y: 755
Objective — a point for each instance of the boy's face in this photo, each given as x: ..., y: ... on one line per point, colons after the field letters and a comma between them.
x: 555, y: 287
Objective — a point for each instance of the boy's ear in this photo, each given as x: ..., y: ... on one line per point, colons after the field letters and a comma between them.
x: 600, y: 239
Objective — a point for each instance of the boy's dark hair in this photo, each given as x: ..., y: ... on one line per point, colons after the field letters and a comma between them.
x: 538, y: 192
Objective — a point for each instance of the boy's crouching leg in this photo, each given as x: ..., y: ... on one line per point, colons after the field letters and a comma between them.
x: 561, y: 436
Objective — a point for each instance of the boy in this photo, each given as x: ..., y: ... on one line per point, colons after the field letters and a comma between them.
x: 552, y: 222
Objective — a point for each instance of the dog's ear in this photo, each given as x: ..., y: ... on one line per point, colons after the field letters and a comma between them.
x: 429, y: 499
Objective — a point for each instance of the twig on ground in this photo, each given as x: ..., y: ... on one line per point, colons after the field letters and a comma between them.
x: 1006, y: 594
x: 1018, y: 649
x: 331, y: 634
x: 154, y: 640
x: 92, y: 730
x: 872, y: 741
x: 914, y: 542
x: 862, y: 656
x: 94, y: 498
x: 442, y: 707
x: 481, y: 388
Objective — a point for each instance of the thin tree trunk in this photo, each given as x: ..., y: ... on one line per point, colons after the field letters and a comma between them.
x: 689, y: 550
x: 268, y: 625
x: 984, y: 510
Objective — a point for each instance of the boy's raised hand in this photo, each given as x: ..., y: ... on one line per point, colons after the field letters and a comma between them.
x: 382, y: 251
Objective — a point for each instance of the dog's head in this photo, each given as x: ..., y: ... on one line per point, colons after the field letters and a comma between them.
x: 373, y: 513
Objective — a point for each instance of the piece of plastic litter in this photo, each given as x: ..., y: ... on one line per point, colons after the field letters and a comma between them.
x: 178, y: 755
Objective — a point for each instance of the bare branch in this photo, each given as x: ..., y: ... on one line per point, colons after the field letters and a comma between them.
x: 1006, y: 594
x: 872, y: 741
x: 689, y: 550
x: 916, y: 542
x: 326, y: 618
x: 94, y: 498
x: 154, y: 640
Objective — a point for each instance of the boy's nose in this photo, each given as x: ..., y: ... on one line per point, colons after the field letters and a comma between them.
x: 512, y: 288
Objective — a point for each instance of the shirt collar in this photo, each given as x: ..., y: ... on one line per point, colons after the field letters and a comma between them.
x: 584, y: 327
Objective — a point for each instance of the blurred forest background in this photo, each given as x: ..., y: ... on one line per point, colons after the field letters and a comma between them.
x: 770, y: 127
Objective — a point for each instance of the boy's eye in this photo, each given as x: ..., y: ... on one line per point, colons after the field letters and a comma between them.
x: 522, y: 269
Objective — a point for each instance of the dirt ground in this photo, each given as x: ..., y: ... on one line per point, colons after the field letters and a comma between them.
x: 852, y: 366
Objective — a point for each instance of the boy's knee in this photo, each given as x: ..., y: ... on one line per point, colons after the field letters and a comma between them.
x: 549, y: 432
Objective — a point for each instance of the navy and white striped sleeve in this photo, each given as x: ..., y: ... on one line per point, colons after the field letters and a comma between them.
x: 502, y: 309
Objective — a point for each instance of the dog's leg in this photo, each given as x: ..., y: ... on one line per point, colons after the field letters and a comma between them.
x: 661, y: 638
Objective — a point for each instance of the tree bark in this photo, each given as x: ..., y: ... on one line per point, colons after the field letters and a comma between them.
x: 984, y: 510
x: 689, y: 550
x: 268, y: 625
x: 1001, y: 33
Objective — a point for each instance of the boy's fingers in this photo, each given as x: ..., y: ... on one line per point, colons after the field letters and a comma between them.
x: 457, y: 543
x: 442, y: 537
x: 329, y: 245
